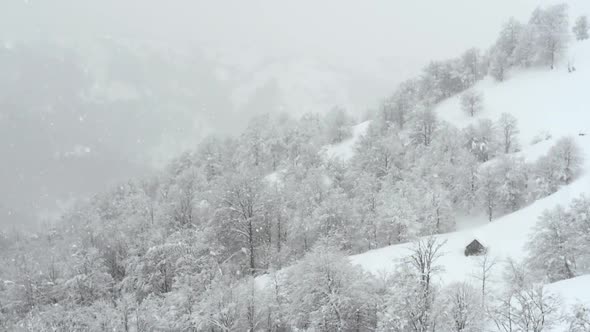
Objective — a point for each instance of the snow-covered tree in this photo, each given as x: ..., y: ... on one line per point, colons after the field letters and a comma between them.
x: 398, y: 108
x: 524, y: 305
x: 89, y: 279
x: 579, y: 212
x: 254, y: 150
x: 580, y: 29
x: 398, y: 213
x: 512, y: 177
x: 327, y: 293
x: 472, y: 66
x: 536, y: 310
x: 551, y: 26
x: 557, y: 248
x: 546, y: 180
x: 338, y: 125
x: 482, y: 140
x: 579, y: 319
x: 499, y: 64
x: 569, y: 158
x: 214, y: 154
x: 425, y: 124
x: 378, y: 153
x: 472, y: 102
x: 488, y: 190
x: 366, y: 200
x: 274, y: 298
x: 508, y: 127
x: 402, y: 301
x: 525, y: 52
x: 230, y: 305
x: 462, y: 310
x: 184, y: 196
x: 559, y: 167
x: 486, y: 264
x: 431, y: 88
x: 241, y: 215
x: 334, y: 216
x: 436, y: 212
x: 423, y: 261
x: 410, y: 300
x: 551, y: 248
x: 508, y: 40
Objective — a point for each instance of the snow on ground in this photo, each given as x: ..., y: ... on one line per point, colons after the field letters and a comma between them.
x: 464, y: 222
x: 533, y: 152
x: 345, y: 149
x: 542, y: 100
x: 505, y: 237
x: 570, y: 293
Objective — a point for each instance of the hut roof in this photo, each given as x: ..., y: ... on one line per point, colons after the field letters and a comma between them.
x: 474, y: 248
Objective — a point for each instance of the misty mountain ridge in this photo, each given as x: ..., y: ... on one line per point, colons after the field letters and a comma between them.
x: 173, y: 97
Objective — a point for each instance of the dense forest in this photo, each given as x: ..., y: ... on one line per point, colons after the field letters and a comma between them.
x: 252, y: 232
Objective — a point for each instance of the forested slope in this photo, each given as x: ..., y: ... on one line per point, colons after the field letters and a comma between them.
x: 254, y: 233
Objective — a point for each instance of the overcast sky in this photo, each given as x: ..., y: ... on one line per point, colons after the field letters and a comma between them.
x: 346, y: 29
x: 313, y: 52
x: 346, y: 32
x: 393, y: 38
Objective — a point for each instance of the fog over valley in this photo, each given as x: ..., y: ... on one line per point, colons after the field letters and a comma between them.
x: 95, y: 92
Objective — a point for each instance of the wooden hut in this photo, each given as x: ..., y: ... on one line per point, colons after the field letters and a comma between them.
x: 475, y: 248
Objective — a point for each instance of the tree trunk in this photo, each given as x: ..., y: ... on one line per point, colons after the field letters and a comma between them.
x: 251, y: 245
x: 568, y: 270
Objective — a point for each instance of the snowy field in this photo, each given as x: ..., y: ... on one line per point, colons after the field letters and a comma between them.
x: 542, y: 101
x: 553, y: 101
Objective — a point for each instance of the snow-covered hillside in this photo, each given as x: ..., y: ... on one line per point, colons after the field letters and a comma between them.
x: 542, y: 100
x: 345, y: 149
x: 570, y: 292
x: 505, y: 237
